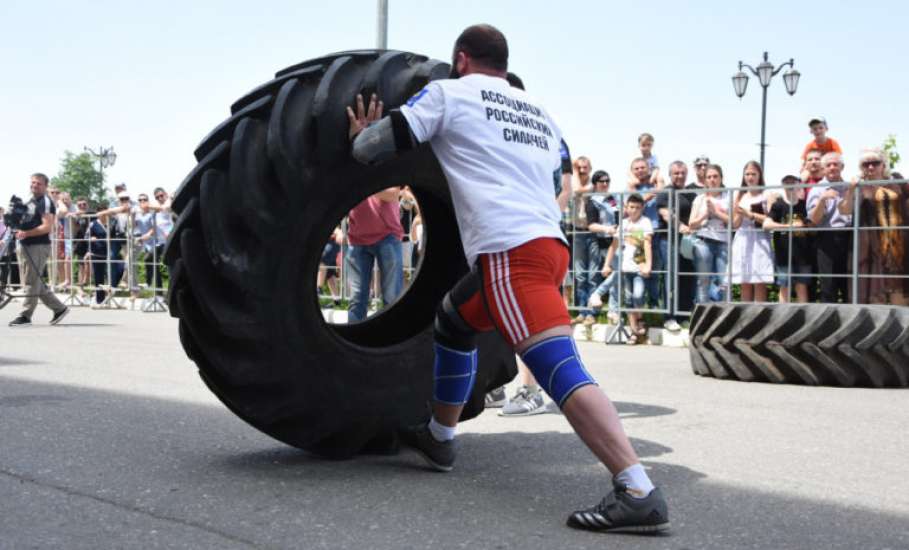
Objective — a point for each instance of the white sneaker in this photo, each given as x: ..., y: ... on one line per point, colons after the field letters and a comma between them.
x: 672, y: 325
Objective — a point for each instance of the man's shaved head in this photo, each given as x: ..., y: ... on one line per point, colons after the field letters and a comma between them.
x: 485, y: 44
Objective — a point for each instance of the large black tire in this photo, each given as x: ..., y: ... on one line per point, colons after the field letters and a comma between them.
x: 816, y: 344
x: 271, y: 183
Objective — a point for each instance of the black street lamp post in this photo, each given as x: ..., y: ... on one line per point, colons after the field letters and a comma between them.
x: 105, y: 156
x: 765, y: 72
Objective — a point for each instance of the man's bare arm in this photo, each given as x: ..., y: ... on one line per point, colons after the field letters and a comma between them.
x: 115, y: 210
x: 392, y: 194
x: 47, y: 222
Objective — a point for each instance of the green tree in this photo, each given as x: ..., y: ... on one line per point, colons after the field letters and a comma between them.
x: 890, y: 150
x: 80, y: 177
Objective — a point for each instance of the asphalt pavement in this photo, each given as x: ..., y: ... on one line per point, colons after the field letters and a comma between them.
x: 108, y: 439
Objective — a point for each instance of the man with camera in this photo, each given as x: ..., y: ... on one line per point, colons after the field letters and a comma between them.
x: 33, y: 235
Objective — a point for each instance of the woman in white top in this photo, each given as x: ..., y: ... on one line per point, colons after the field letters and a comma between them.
x: 752, y: 257
x: 709, y: 220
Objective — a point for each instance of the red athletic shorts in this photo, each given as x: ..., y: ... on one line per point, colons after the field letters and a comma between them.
x: 516, y: 291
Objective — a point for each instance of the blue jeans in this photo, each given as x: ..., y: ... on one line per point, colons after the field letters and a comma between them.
x: 388, y: 253
x: 633, y: 289
x: 710, y: 257
x: 654, y: 284
x: 586, y: 269
x: 116, y: 268
x: 610, y: 285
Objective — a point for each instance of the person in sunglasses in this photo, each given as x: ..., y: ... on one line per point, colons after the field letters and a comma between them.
x: 880, y: 251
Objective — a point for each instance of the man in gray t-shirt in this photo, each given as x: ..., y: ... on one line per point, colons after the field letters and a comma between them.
x: 833, y: 239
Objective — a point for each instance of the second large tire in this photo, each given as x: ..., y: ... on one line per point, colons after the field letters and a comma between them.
x: 815, y: 344
x: 271, y: 183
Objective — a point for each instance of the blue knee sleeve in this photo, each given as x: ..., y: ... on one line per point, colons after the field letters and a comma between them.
x: 454, y: 372
x: 556, y: 365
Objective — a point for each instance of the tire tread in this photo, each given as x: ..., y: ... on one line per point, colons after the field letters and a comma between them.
x: 811, y: 344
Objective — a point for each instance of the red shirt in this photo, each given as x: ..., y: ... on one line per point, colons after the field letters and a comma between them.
x: 372, y: 220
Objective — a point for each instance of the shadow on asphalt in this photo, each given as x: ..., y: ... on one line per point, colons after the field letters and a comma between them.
x: 199, y: 465
x: 26, y: 400
x: 63, y: 326
x: 14, y: 362
x: 640, y: 410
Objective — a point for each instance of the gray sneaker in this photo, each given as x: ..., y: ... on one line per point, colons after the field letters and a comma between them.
x: 619, y: 512
x: 440, y: 455
x: 20, y: 321
x: 496, y: 398
x: 59, y: 315
x: 524, y: 403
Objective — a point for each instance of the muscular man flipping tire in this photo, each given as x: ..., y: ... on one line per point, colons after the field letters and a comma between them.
x: 498, y: 148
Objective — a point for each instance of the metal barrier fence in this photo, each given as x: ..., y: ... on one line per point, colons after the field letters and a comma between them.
x: 876, y: 253
x: 875, y: 246
x: 109, y: 263
x: 102, y: 256
x: 628, y: 287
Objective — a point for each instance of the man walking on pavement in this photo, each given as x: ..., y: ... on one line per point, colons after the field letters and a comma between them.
x: 34, y: 250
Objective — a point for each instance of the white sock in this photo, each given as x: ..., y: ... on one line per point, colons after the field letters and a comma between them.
x: 441, y: 433
x: 635, y: 478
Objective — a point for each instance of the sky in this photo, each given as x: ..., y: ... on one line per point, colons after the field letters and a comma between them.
x: 152, y: 79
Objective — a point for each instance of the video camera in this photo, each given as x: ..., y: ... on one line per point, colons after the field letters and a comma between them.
x: 16, y: 215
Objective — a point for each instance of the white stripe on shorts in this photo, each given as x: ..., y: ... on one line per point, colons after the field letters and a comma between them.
x: 493, y: 275
x: 509, y: 295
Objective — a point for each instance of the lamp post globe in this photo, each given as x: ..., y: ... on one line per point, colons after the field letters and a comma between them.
x: 791, y: 80
x: 765, y: 72
x: 740, y: 83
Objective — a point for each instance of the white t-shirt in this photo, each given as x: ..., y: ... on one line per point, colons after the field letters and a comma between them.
x: 498, y: 149
x: 164, y: 224
x: 633, y: 236
x: 713, y: 227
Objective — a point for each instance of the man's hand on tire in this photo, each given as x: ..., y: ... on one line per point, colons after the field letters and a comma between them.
x: 363, y: 117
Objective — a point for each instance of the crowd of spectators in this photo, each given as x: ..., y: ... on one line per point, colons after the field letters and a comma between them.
x: 101, y: 246
x: 741, y: 241
x: 670, y: 244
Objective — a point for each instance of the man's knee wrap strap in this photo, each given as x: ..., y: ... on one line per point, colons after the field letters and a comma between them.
x: 450, y: 330
x: 454, y: 374
x: 556, y: 365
